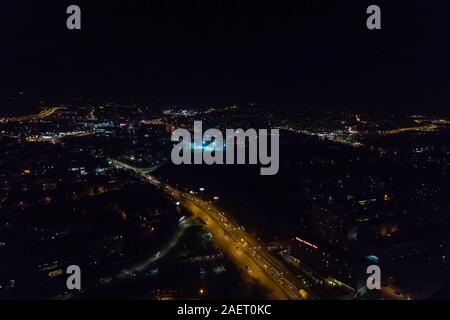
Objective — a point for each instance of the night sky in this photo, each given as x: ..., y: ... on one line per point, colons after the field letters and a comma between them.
x: 306, y: 53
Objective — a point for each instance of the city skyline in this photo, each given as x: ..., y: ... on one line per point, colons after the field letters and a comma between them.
x: 224, y: 151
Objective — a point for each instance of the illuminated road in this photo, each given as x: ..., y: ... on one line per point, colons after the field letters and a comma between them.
x: 165, y: 249
x: 42, y: 115
x: 242, y: 248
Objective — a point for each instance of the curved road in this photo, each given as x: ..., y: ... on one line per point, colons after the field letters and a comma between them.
x: 243, y: 249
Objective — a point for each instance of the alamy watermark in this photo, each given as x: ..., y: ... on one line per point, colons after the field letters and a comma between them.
x: 209, y: 147
x: 374, y: 280
x: 73, y: 21
x: 374, y: 20
x: 74, y: 280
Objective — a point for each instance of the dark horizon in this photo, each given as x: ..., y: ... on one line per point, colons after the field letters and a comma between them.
x: 303, y: 53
